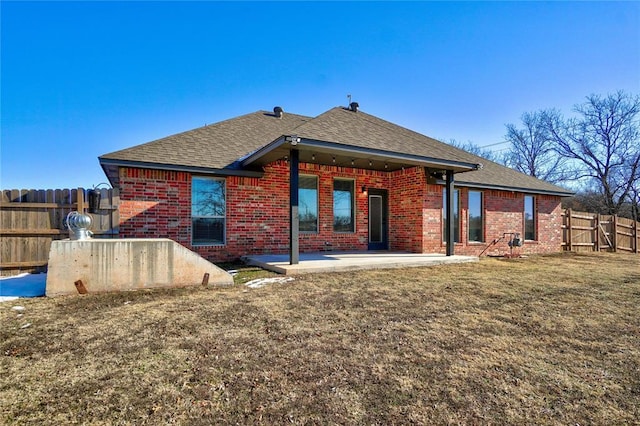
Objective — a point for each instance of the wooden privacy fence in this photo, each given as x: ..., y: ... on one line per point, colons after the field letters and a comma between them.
x: 30, y: 219
x: 595, y: 232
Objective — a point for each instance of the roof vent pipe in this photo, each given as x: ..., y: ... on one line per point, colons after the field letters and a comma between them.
x: 353, y: 106
x: 278, y: 112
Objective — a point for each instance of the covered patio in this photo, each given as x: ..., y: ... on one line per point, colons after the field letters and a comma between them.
x: 350, y: 261
x: 345, y: 146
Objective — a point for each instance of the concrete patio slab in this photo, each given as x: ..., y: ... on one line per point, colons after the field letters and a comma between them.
x: 350, y: 261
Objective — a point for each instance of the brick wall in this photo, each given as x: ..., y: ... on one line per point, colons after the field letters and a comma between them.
x: 155, y: 204
x: 325, y: 238
x: 432, y: 234
x: 158, y: 204
x: 406, y: 196
x: 504, y: 213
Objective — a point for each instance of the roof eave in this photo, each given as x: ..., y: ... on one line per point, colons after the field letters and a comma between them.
x: 272, y: 150
x: 181, y: 168
x: 514, y: 189
x: 255, y: 156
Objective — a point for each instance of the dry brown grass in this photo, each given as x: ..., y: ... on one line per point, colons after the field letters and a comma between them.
x: 544, y: 340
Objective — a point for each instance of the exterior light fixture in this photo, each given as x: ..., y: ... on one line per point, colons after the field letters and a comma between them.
x: 94, y: 196
x: 334, y: 160
x: 313, y: 157
x: 440, y: 174
x: 293, y: 139
x: 364, y: 189
x: 352, y: 162
x: 370, y: 163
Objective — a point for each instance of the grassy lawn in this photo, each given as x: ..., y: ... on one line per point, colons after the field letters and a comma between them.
x: 543, y: 340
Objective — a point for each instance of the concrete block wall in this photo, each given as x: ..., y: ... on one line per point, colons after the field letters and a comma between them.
x: 158, y: 204
x: 102, y: 265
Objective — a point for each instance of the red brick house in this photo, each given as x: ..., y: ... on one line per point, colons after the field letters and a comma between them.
x: 344, y: 180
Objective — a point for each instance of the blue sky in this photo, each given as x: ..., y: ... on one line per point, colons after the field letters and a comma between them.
x: 82, y: 79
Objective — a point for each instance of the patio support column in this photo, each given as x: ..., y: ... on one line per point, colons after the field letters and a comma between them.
x: 294, y: 218
x: 450, y: 237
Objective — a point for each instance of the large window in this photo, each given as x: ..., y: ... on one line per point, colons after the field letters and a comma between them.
x: 475, y: 217
x: 308, y: 203
x: 456, y: 216
x: 343, y: 218
x: 208, y: 210
x: 529, y: 217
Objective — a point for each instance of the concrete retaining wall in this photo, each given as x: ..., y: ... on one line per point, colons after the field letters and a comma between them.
x: 126, y: 264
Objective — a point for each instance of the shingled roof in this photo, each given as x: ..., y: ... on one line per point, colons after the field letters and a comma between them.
x: 367, y: 131
x: 217, y: 146
x: 223, y: 148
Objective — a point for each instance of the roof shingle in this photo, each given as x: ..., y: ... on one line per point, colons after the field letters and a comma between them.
x: 216, y: 146
x: 222, y: 145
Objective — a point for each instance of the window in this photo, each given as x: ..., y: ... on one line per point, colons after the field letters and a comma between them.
x: 475, y: 216
x: 208, y: 210
x: 308, y: 200
x: 343, y: 218
x: 456, y: 216
x: 529, y: 218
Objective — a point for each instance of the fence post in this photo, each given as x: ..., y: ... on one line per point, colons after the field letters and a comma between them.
x: 635, y: 236
x: 569, y: 237
x: 614, y: 237
x: 80, y: 201
x: 597, y: 245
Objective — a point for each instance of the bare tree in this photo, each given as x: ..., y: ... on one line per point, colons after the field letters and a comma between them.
x: 631, y: 173
x: 209, y: 198
x: 603, y: 140
x: 474, y: 149
x: 532, y: 148
x: 634, y: 197
x: 586, y: 201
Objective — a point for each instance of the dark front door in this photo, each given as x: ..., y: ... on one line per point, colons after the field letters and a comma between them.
x: 378, y: 220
